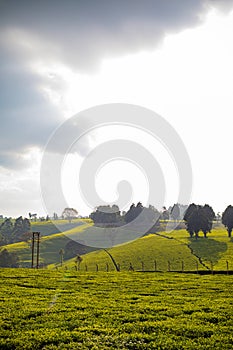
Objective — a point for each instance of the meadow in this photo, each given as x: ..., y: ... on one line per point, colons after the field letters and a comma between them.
x: 44, y: 309
x: 163, y: 251
x: 159, y: 251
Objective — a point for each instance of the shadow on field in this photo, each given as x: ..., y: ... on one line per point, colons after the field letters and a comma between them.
x: 207, y: 249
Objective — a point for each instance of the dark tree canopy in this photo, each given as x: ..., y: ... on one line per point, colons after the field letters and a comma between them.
x: 21, y: 227
x: 199, y: 218
x: 133, y: 212
x: 106, y: 215
x: 6, y: 230
x: 16, y: 232
x: 8, y: 259
x: 227, y: 219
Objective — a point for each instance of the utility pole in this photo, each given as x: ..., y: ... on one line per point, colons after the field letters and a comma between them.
x: 35, y: 248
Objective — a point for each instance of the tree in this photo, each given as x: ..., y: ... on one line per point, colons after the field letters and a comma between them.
x: 152, y: 216
x: 78, y: 261
x: 106, y: 215
x: 6, y: 230
x: 208, y: 216
x: 133, y: 212
x: 8, y: 259
x: 21, y: 226
x: 55, y: 216
x: 199, y: 218
x: 61, y: 253
x: 165, y: 214
x: 227, y: 219
x: 175, y: 212
x: 69, y: 213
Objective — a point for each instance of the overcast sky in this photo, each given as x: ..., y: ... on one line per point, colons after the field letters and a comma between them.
x: 60, y: 57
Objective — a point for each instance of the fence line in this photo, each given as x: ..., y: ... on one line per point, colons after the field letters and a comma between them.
x: 154, y: 266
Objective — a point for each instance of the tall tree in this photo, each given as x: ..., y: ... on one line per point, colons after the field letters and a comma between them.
x: 227, y: 219
x: 175, y: 212
x: 199, y: 218
x: 61, y: 253
x: 69, y: 213
x: 6, y: 230
x: 21, y: 226
x: 133, y: 212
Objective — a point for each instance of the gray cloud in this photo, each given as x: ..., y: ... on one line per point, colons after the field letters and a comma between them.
x: 82, y: 32
x: 79, y: 34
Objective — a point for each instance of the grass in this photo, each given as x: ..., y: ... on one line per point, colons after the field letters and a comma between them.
x: 164, y: 250
x: 76, y: 310
x: 49, y: 246
x: 47, y: 228
x: 161, y: 251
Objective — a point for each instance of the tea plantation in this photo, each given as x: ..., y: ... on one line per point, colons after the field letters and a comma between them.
x: 67, y: 309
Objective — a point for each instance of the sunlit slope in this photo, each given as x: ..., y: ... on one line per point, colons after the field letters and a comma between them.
x: 49, y: 245
x: 161, y: 251
x: 47, y: 228
x: 164, y: 251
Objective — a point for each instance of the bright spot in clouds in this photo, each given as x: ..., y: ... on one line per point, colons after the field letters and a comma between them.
x: 187, y: 79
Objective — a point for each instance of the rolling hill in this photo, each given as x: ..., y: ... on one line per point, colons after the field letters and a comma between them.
x: 160, y: 251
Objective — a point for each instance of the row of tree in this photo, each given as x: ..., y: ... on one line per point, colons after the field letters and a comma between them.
x: 111, y: 216
x: 17, y: 231
x: 198, y: 218
x: 105, y: 215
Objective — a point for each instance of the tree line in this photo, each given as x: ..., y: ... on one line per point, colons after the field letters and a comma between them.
x: 17, y: 231
x: 197, y: 218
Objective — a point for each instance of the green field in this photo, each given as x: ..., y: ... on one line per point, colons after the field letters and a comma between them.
x: 42, y: 309
x: 160, y: 251
x: 50, y: 244
x: 163, y: 251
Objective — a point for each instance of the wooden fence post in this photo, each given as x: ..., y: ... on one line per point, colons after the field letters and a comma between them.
x: 182, y: 266
x: 227, y: 267
x: 212, y: 267
x: 155, y: 264
x: 97, y: 267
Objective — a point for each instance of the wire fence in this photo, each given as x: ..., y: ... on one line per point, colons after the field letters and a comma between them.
x: 180, y: 266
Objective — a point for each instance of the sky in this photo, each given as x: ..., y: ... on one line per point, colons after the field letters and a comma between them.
x: 58, y: 58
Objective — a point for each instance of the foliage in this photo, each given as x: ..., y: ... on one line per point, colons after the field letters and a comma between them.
x: 175, y: 212
x: 21, y: 226
x: 227, y: 219
x: 74, y: 310
x: 16, y: 232
x: 199, y: 218
x: 6, y: 230
x: 8, y: 259
x: 69, y: 213
x: 106, y: 215
x: 49, y: 245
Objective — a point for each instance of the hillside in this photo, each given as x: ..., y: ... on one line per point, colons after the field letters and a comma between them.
x: 51, y: 244
x: 164, y: 251
x: 159, y: 251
